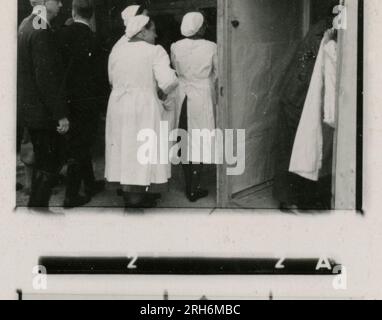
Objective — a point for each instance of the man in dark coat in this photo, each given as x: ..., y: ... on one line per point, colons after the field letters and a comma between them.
x: 289, y: 189
x: 41, y: 98
x: 78, y: 47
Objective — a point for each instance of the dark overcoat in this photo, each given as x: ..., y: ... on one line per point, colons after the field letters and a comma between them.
x: 41, y: 98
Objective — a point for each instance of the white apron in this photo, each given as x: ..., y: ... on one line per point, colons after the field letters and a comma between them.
x: 200, y: 116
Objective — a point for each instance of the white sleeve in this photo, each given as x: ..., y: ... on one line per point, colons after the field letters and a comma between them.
x: 173, y: 57
x: 110, y: 71
x: 111, y: 65
x: 164, y: 75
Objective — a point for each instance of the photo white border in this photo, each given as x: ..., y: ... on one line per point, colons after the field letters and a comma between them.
x: 352, y: 240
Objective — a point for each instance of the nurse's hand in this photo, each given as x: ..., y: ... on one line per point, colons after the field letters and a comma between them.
x: 63, y: 126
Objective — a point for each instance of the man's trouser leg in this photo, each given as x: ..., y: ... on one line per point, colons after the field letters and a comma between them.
x: 78, y: 172
x: 187, y: 168
x: 73, y: 179
x: 47, y: 145
x: 88, y: 173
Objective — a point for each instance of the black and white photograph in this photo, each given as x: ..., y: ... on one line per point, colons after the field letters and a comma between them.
x: 190, y: 149
x: 188, y: 104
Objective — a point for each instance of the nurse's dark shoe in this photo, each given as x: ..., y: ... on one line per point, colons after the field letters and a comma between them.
x: 142, y: 205
x: 138, y: 201
x: 197, y: 195
x: 153, y: 196
x: 149, y: 203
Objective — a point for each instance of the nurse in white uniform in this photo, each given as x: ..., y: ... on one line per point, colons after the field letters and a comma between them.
x: 137, y: 68
x: 195, y: 61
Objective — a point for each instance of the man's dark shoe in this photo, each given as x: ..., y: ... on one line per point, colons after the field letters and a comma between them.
x: 98, y: 187
x: 76, y: 202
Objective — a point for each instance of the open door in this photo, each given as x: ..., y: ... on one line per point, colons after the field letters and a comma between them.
x: 257, y: 39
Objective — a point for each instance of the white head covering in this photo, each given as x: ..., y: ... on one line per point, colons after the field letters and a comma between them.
x: 129, y: 12
x: 136, y: 25
x: 191, y: 24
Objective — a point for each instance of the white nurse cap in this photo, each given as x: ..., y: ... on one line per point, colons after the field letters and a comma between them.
x: 129, y: 12
x: 192, y: 22
x: 136, y: 25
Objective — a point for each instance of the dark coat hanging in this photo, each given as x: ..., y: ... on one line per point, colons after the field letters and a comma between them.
x: 288, y: 188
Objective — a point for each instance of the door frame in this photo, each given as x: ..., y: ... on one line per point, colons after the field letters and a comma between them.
x: 346, y: 166
x: 223, y: 111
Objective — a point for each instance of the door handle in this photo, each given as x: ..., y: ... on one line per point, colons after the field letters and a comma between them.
x: 235, y: 23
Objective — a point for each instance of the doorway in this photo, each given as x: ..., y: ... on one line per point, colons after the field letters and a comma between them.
x: 257, y: 41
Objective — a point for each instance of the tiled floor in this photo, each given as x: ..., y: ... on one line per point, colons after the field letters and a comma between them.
x: 175, y: 198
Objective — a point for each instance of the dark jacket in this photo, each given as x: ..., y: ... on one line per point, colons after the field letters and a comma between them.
x: 79, y: 52
x: 41, y: 96
x: 299, y: 73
